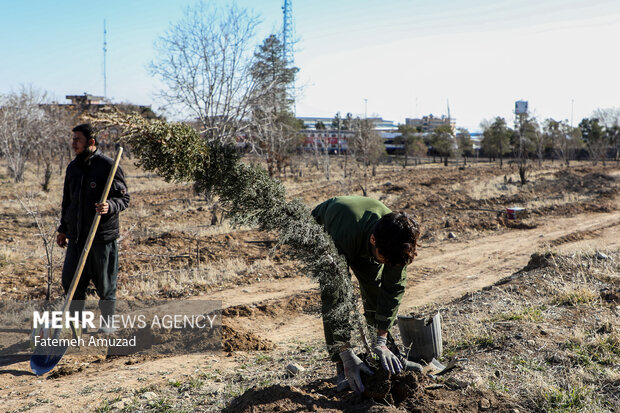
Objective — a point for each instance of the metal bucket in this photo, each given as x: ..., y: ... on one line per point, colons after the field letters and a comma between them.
x: 515, y: 212
x: 421, y: 337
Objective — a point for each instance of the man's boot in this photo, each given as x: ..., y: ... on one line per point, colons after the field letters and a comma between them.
x: 107, y: 308
x: 76, y: 332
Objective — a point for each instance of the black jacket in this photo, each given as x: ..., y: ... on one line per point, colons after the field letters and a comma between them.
x: 85, y: 180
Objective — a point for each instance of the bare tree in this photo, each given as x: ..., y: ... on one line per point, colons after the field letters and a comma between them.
x: 47, y: 233
x: 367, y: 146
x: 275, y: 137
x: 527, y: 131
x: 52, y: 140
x: 205, y: 61
x: 320, y: 148
x: 610, y: 118
x: 21, y: 119
x: 413, y: 144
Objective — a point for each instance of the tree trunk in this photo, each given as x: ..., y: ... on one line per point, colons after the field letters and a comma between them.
x: 47, y: 176
x: 522, y: 172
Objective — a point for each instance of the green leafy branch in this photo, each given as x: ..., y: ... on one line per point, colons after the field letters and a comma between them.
x: 177, y: 152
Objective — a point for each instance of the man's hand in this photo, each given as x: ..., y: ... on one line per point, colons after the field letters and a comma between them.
x: 389, y: 361
x: 102, y: 208
x: 353, y: 366
x: 61, y: 240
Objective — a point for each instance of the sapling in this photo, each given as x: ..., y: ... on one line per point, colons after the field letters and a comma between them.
x: 177, y: 152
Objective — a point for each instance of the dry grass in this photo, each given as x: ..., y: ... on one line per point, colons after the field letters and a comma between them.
x: 489, y: 188
x: 172, y: 283
x: 8, y: 255
x: 577, y: 296
x: 533, y: 314
x: 209, y: 387
x: 546, y: 336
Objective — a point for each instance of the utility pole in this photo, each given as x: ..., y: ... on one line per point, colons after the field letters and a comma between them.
x: 521, y: 111
x: 365, y: 108
x: 105, y: 49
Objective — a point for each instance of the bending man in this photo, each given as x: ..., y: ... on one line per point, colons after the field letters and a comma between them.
x: 377, y: 244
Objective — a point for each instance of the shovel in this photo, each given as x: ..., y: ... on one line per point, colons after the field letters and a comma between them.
x: 44, y: 358
x: 421, y: 336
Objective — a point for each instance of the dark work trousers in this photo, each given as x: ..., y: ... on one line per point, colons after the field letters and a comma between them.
x: 101, y: 267
x: 369, y: 282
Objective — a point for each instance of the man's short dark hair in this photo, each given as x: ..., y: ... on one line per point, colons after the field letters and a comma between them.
x: 87, y: 130
x: 396, y: 237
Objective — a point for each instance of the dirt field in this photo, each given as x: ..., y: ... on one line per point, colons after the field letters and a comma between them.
x: 472, y: 267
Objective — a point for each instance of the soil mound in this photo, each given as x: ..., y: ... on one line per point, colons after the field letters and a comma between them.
x: 538, y: 261
x: 514, y: 224
x: 415, y: 393
x: 241, y: 340
x: 593, y: 183
x: 278, y: 398
x: 306, y: 303
x: 384, y: 393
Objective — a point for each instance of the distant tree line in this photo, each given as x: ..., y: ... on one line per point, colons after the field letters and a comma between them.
x: 596, y: 138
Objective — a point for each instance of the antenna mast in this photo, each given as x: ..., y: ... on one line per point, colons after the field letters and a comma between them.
x: 105, y: 49
x: 287, y: 32
x: 287, y: 45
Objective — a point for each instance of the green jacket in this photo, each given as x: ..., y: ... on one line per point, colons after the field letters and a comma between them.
x: 350, y: 221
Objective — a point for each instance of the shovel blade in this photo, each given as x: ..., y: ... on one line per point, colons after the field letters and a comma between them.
x: 46, y: 357
x: 421, y: 336
x: 42, y: 363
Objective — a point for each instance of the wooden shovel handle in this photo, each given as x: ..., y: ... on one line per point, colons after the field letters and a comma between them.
x: 91, y: 234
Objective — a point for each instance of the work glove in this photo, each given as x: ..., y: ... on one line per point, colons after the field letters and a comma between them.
x: 353, y: 366
x: 411, y: 365
x: 389, y: 361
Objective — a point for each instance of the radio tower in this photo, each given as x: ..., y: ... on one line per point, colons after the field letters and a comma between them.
x: 287, y: 32
x: 287, y: 45
x: 105, y: 49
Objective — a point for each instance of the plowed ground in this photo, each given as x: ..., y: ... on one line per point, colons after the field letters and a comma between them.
x: 271, y: 311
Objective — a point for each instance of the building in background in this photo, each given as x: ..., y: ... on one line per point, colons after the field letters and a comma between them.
x: 319, y: 133
x: 85, y: 99
x: 428, y: 124
x: 82, y: 107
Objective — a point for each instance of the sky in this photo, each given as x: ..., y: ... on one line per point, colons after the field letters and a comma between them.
x: 395, y: 59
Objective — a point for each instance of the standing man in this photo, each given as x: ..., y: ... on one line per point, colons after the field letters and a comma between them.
x: 378, y: 244
x: 85, y: 180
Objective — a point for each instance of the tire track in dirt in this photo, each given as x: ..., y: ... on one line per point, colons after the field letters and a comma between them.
x: 456, y: 269
x: 582, y: 235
